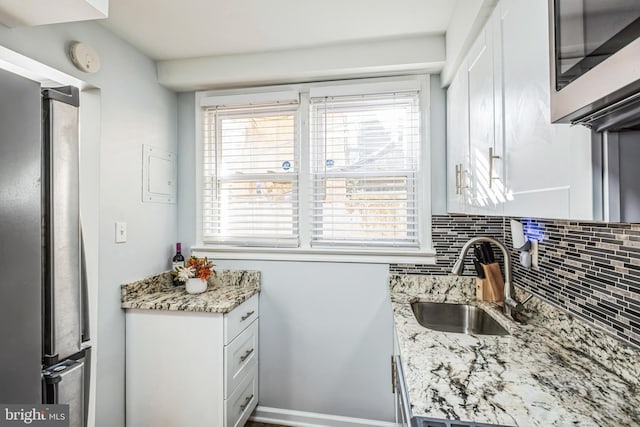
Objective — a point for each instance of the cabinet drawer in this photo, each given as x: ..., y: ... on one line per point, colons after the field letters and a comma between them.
x: 243, y: 400
x: 239, y: 318
x: 239, y: 357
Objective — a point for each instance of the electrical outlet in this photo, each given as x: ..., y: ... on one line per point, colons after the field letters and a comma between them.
x: 121, y: 232
x: 534, y: 253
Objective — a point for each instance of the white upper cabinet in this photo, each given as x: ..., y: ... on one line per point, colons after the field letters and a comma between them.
x: 485, y: 142
x: 474, y: 118
x: 518, y: 163
x: 548, y: 167
x: 458, y: 143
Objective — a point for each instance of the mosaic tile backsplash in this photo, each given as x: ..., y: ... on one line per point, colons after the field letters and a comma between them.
x: 590, y: 269
x: 449, y: 233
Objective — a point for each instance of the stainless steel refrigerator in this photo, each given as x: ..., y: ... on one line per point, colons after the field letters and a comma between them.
x: 44, y: 334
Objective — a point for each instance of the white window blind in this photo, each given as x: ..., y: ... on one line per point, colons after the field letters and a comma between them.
x: 364, y: 165
x: 250, y: 176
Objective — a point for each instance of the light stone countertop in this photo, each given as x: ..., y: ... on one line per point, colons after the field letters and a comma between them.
x: 226, y: 290
x: 554, y: 371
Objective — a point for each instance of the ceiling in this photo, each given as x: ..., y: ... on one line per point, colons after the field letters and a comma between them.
x: 167, y: 29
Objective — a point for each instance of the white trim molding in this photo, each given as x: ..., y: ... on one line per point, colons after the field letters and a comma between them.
x: 423, y: 53
x: 427, y: 256
x: 287, y: 417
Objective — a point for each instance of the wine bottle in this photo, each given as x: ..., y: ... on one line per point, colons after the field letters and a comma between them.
x: 178, y: 259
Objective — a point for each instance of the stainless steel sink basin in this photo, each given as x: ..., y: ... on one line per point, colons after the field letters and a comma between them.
x: 460, y: 318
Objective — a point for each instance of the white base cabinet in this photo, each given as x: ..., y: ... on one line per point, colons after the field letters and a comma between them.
x: 192, y: 369
x: 402, y: 407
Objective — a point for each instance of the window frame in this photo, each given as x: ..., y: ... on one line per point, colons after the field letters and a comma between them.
x: 425, y: 254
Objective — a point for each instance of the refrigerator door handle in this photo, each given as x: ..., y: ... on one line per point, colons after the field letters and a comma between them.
x: 84, y: 290
x: 50, y: 388
x: 66, y: 383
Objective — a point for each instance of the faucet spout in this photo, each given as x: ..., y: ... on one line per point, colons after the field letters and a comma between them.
x: 510, y: 304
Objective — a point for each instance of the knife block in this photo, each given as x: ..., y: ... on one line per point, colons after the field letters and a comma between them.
x: 491, y: 288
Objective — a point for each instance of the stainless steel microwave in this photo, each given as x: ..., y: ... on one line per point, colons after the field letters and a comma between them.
x: 595, y: 63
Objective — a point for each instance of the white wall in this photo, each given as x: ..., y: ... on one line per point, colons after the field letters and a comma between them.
x: 438, y: 135
x: 326, y: 337
x: 90, y: 119
x: 136, y: 110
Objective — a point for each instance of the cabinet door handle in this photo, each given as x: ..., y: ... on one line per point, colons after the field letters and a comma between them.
x: 492, y: 157
x: 393, y: 375
x: 246, y: 316
x: 247, y: 354
x: 246, y: 403
x: 460, y: 171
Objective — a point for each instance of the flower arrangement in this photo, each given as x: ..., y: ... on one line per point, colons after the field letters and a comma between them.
x: 201, y: 268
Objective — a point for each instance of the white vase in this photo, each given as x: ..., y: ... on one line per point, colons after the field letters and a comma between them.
x: 196, y: 286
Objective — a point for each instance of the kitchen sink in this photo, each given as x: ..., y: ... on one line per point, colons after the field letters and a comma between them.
x: 459, y: 318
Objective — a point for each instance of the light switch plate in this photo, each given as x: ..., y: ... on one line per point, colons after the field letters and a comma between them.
x: 121, y: 232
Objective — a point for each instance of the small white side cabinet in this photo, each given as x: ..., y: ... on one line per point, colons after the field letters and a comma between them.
x: 192, y: 369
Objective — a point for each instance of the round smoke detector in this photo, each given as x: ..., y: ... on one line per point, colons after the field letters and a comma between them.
x: 84, y: 57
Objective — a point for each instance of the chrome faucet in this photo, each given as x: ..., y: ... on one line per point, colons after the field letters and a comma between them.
x: 510, y: 304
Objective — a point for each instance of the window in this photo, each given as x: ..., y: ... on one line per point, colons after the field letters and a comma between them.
x: 321, y: 169
x: 250, y: 176
x: 365, y: 152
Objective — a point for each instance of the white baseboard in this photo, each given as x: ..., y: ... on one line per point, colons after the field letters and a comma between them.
x: 287, y: 417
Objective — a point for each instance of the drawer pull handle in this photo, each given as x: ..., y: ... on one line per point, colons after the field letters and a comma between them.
x: 247, y: 354
x: 246, y: 403
x: 246, y: 316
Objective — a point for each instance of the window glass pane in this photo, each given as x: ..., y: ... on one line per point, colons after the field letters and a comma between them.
x: 365, y: 152
x: 365, y: 134
x: 257, y: 143
x: 257, y: 208
x: 250, y: 176
x: 365, y: 209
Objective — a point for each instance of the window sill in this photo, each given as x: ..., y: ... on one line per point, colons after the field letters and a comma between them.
x: 316, y: 255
